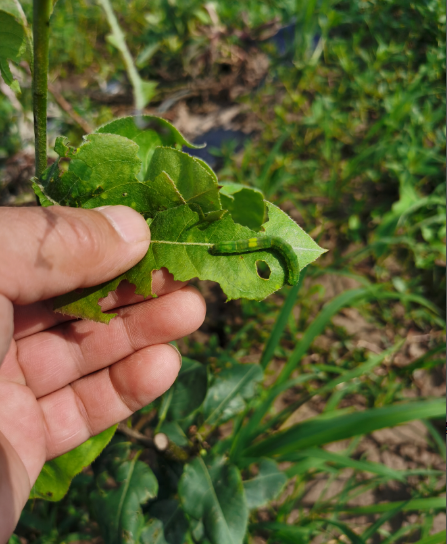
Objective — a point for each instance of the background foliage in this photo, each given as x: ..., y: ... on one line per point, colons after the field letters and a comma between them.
x: 277, y: 426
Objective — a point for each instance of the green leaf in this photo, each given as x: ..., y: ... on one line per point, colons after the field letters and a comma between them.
x: 438, y: 538
x: 174, y: 432
x: 193, y: 180
x: 148, y: 132
x: 56, y: 475
x: 318, y: 431
x: 118, y: 509
x: 245, y: 204
x: 171, y: 514
x: 215, y: 495
x: 15, y: 39
x: 102, y: 162
x: 181, y: 196
x: 266, y: 486
x: 189, y: 390
x: 280, y: 224
x: 153, y: 533
x: 232, y: 386
x: 180, y: 241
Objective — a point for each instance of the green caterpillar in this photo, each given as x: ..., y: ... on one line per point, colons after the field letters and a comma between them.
x: 264, y: 242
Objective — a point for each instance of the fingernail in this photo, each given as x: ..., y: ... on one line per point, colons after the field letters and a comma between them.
x: 128, y: 223
x: 178, y: 352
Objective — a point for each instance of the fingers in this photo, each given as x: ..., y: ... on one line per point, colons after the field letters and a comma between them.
x: 50, y: 251
x: 14, y: 488
x: 96, y: 402
x: 52, y: 359
x: 39, y: 316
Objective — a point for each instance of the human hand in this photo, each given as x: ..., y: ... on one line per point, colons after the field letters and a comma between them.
x: 62, y: 380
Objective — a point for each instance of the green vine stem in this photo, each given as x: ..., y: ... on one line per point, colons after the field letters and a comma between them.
x: 41, y: 32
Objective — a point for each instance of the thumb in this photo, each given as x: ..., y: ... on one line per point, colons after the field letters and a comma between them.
x: 50, y: 251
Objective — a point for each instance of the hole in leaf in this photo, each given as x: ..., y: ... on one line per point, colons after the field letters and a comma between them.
x: 263, y: 270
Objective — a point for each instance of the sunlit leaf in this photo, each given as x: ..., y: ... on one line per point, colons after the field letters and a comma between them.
x: 245, y: 204
x: 56, y: 475
x: 148, y: 132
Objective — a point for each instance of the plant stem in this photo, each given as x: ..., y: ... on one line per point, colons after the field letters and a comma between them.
x: 41, y: 33
x: 142, y: 90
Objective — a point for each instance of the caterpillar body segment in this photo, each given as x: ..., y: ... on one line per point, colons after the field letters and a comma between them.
x: 264, y: 242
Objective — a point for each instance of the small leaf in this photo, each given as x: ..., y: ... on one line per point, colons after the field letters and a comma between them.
x: 7, y: 76
x: 266, y: 486
x: 246, y: 205
x: 148, y: 132
x: 194, y: 182
x: 175, y: 433
x: 118, y: 510
x: 56, y: 475
x: 226, y: 397
x: 189, y: 390
x: 215, y: 495
x: 102, y: 162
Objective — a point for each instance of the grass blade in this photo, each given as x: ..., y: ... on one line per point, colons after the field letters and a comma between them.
x: 383, y: 519
x: 317, y: 327
x: 318, y: 431
x: 355, y: 539
x: 431, y: 503
x: 438, y: 538
x: 346, y: 462
x: 281, y: 322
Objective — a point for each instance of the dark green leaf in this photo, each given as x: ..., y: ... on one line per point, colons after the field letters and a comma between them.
x: 170, y: 513
x: 215, y: 495
x: 189, y: 390
x: 266, y: 486
x: 153, y: 533
x: 232, y: 386
x: 118, y: 509
x: 15, y: 39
